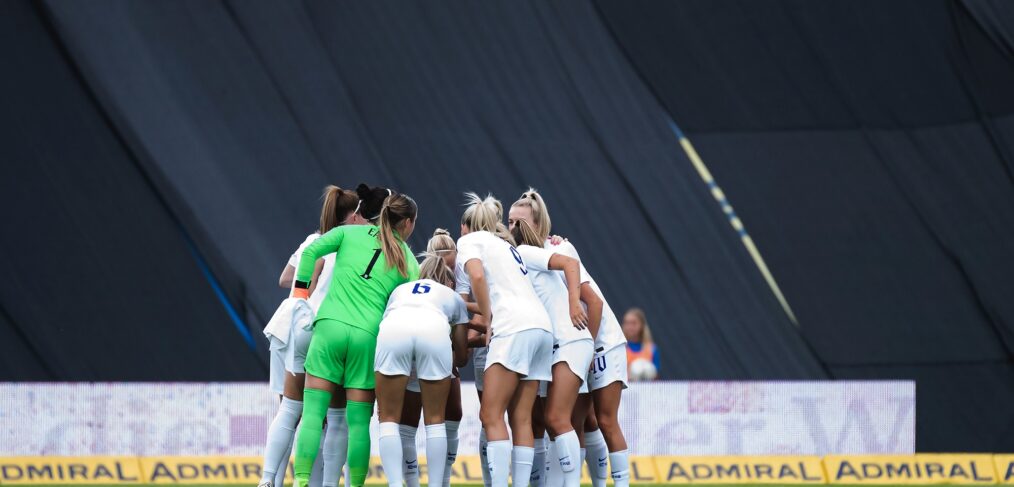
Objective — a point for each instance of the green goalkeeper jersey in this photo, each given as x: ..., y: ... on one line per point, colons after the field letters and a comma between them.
x: 361, y: 281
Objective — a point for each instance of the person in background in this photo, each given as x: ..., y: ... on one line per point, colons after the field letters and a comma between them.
x: 642, y: 354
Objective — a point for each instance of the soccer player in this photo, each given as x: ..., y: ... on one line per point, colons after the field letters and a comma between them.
x: 414, y: 336
x: 370, y: 262
x: 287, y: 376
x: 440, y: 244
x: 520, y: 338
x: 573, y: 336
x: 608, y: 375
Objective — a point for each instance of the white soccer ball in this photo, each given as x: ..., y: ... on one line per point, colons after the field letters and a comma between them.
x: 642, y: 369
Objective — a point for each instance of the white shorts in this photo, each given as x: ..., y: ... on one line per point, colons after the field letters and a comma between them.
x: 528, y: 353
x: 607, y: 367
x: 402, y: 347
x: 276, y: 376
x: 578, y: 356
x: 288, y: 357
x: 479, y: 363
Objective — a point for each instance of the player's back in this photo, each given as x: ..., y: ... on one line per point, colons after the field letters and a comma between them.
x: 514, y: 303
x: 426, y: 299
x: 361, y: 281
x: 551, y: 287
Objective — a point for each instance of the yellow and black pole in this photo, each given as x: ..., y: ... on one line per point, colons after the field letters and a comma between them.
x: 734, y: 220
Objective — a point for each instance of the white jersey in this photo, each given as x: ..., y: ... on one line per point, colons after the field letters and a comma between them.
x: 610, y: 333
x: 514, y: 303
x: 426, y: 301
x: 323, y: 281
x: 462, y: 285
x: 551, y: 286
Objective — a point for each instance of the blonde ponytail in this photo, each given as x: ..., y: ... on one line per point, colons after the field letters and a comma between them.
x: 397, y: 208
x: 482, y: 214
x: 524, y: 234
x: 541, y: 223
x: 505, y: 234
x: 434, y: 268
x: 337, y: 205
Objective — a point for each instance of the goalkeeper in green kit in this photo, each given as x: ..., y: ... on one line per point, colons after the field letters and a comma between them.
x: 370, y: 261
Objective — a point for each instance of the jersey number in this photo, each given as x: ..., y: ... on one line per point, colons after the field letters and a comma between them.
x: 517, y: 257
x: 420, y: 288
x: 373, y: 262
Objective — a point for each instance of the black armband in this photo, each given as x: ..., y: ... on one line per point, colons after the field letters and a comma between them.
x: 302, y: 285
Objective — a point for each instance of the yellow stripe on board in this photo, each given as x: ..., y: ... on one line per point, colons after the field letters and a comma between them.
x: 911, y: 469
x: 919, y: 469
x: 69, y: 470
x: 740, y: 470
x: 736, y: 223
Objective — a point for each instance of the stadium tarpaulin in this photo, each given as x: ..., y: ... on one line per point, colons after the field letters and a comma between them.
x: 867, y: 146
x: 244, y: 110
x: 101, y: 283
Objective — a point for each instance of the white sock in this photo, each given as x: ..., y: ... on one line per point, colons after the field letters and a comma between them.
x: 597, y: 457
x: 390, y: 452
x: 452, y: 450
x: 409, y: 456
x: 499, y: 454
x: 336, y: 446
x: 487, y: 481
x: 620, y: 465
x: 569, y: 449
x: 280, y: 435
x: 554, y: 476
x: 436, y: 448
x: 570, y: 456
x: 284, y: 467
x: 539, y: 463
x: 522, y: 465
x: 317, y: 472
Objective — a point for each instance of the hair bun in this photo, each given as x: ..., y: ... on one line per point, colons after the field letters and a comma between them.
x: 363, y: 191
x: 441, y: 231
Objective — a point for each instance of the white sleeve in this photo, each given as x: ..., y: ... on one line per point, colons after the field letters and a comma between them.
x: 294, y: 258
x: 565, y: 248
x: 462, y: 284
x: 568, y: 249
x: 459, y: 314
x: 535, y: 259
x: 468, y: 249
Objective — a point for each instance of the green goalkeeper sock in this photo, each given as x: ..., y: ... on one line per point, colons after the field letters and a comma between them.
x: 358, y: 415
x: 315, y: 403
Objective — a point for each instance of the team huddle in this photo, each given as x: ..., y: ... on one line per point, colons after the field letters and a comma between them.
x: 367, y: 321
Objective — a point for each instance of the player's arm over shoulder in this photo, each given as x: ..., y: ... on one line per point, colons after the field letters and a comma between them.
x: 566, y: 248
x: 323, y: 245
x: 535, y: 258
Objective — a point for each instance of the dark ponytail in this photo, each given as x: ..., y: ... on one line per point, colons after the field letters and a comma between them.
x: 372, y: 201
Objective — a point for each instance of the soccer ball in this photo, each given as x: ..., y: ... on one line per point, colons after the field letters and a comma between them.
x: 642, y: 369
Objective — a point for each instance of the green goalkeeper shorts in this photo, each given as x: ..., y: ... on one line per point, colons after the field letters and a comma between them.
x: 342, y: 354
